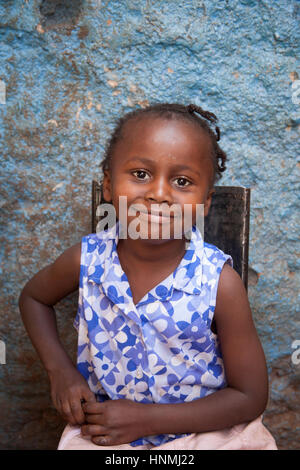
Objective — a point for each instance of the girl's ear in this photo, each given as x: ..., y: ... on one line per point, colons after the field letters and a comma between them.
x: 106, y: 186
x: 208, y: 201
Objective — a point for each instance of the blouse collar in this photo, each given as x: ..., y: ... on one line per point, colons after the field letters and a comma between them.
x: 105, y: 269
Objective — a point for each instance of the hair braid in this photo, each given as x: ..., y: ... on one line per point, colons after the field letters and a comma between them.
x: 219, y: 153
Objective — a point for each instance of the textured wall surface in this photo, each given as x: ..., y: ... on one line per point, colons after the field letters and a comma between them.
x: 70, y: 69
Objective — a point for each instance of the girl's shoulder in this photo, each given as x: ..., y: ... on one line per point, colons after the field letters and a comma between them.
x: 96, y: 247
x: 95, y: 240
x: 215, y: 256
x: 100, y: 237
x: 208, y: 255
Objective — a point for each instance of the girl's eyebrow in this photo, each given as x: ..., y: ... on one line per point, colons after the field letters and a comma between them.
x: 148, y: 161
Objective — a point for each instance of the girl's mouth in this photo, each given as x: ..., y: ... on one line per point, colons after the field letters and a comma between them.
x: 155, y: 217
x: 156, y: 213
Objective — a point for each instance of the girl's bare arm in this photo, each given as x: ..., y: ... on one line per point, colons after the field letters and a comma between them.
x: 36, y: 303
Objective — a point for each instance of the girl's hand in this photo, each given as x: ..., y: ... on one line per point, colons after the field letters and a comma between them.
x: 68, y: 392
x: 114, y: 422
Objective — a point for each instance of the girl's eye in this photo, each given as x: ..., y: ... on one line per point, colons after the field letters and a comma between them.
x: 140, y: 174
x: 182, y: 182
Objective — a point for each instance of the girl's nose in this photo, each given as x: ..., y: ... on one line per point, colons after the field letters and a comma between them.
x: 159, y: 191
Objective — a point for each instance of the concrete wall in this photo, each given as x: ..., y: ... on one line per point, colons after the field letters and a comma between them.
x: 70, y: 69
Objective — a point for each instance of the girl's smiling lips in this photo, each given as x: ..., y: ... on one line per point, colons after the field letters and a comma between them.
x: 161, y: 213
x: 154, y: 218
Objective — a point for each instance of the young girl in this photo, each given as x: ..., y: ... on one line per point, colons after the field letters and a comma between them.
x: 168, y: 355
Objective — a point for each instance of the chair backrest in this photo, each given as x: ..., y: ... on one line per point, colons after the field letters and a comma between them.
x: 226, y: 226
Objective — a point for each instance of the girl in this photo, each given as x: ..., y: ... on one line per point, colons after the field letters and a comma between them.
x: 168, y: 355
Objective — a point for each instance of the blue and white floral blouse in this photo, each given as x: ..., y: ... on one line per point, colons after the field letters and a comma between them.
x: 160, y: 350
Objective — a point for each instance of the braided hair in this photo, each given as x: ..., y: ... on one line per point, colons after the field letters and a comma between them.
x: 190, y: 113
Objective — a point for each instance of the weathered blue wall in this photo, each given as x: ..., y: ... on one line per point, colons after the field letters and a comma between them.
x: 69, y: 72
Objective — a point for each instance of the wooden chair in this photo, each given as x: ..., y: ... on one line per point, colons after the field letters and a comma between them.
x: 226, y: 226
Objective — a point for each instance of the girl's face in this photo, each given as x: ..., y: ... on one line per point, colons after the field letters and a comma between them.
x: 164, y: 162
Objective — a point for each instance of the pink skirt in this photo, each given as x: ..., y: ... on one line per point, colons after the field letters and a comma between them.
x: 248, y: 436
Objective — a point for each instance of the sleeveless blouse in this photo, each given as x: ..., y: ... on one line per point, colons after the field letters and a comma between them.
x: 162, y: 349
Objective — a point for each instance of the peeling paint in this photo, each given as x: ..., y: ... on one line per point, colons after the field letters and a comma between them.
x: 112, y: 83
x: 58, y: 185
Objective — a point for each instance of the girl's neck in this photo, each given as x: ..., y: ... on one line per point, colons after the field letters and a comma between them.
x: 144, y: 252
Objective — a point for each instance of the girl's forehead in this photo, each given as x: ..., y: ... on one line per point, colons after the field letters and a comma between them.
x: 153, y: 121
x: 159, y: 127
x: 163, y: 141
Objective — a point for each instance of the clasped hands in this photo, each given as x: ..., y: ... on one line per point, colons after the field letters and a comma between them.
x: 113, y: 422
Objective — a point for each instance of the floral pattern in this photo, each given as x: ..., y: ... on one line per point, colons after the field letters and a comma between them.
x: 162, y: 349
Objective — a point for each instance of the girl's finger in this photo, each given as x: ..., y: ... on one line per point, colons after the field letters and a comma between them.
x: 88, y: 396
x: 93, y: 408
x: 55, y: 402
x: 93, y: 430
x: 77, y: 412
x: 67, y: 413
x: 102, y: 440
x: 59, y: 406
x: 94, y: 419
